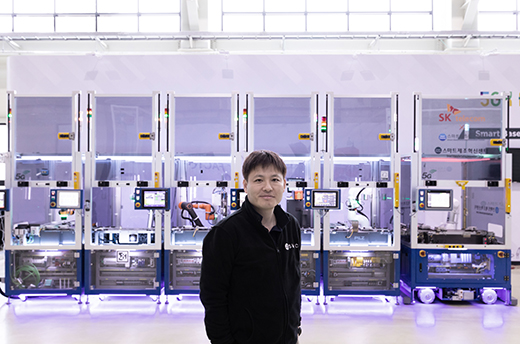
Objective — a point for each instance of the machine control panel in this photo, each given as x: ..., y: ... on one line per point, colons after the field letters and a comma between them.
x: 150, y: 199
x: 66, y: 199
x: 321, y: 199
x: 237, y: 197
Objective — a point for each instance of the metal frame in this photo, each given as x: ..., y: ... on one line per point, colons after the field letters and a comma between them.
x: 76, y: 169
x: 393, y: 183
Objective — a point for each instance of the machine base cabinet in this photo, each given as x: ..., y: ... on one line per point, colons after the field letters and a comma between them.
x: 43, y: 272
x: 361, y: 273
x: 456, y: 275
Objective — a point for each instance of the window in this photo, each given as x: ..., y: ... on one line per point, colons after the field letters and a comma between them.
x: 498, y: 15
x: 44, y: 16
x: 327, y: 15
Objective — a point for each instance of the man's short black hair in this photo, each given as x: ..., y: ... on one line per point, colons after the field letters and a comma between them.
x: 264, y: 158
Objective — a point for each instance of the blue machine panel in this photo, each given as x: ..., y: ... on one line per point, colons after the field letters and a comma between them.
x: 310, y: 264
x: 449, y: 270
x: 361, y: 272
x: 123, y: 272
x: 43, y: 272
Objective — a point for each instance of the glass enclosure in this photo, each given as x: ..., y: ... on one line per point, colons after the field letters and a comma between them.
x: 456, y: 137
x: 120, y: 153
x: 39, y: 153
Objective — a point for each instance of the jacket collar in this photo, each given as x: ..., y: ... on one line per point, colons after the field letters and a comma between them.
x: 281, y: 217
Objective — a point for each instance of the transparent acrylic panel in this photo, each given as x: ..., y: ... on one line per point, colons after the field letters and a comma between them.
x: 461, y: 169
x: 476, y: 217
x: 35, y: 223
x: 185, y: 266
x: 242, y: 6
x: 284, y: 119
x: 203, y: 169
x: 33, y: 6
x: 131, y: 168
x: 138, y: 272
x: 360, y: 271
x: 116, y: 222
x: 297, y: 169
x: 38, y: 122
x: 44, y: 169
x: 198, y: 123
x: 461, y: 266
x: 369, y: 22
x: 411, y: 22
x: 411, y: 5
x: 44, y: 270
x: 362, y: 170
x: 119, y: 120
x: 405, y: 193
x: 455, y: 138
x: 357, y: 125
x: 486, y: 209
x: 365, y: 218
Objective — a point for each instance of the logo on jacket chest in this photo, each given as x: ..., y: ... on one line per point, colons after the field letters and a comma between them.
x: 290, y: 246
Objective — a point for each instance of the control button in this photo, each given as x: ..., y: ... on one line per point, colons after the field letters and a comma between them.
x: 421, y: 205
x: 233, y: 204
x: 53, y: 204
x: 308, y: 204
x: 137, y: 204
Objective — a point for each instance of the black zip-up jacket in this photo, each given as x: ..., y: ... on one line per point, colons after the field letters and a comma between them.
x: 250, y: 285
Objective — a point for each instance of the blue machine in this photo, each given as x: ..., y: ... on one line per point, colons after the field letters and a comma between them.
x: 456, y: 203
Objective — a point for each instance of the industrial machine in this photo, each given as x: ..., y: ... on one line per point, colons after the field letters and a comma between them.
x: 43, y: 198
x: 125, y: 201
x: 456, y: 202
x: 361, y: 237
x: 293, y: 121
x: 202, y: 164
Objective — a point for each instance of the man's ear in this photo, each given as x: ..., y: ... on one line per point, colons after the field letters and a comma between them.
x: 244, y: 182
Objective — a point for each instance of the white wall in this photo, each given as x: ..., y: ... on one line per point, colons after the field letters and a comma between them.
x: 362, y: 74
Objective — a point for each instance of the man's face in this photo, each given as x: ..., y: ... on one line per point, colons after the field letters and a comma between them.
x: 265, y: 187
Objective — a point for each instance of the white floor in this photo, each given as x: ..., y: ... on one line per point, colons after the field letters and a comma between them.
x: 346, y: 320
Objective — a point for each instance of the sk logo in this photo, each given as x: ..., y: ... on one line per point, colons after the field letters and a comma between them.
x: 445, y: 117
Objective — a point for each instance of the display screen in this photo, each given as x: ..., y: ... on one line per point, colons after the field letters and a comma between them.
x: 68, y: 199
x: 327, y: 199
x: 2, y: 199
x: 154, y: 198
x: 438, y: 199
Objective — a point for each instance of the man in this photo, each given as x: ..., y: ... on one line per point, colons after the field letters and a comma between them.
x: 250, y: 279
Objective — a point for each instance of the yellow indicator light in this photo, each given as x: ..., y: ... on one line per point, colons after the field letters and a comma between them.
x: 76, y: 181
x: 396, y: 190
x: 508, y: 195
